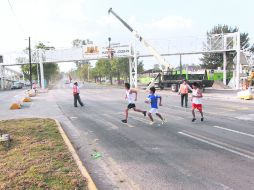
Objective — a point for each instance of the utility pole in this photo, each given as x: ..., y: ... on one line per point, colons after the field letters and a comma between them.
x: 109, y: 48
x: 181, y: 66
x: 88, y: 72
x: 30, y: 63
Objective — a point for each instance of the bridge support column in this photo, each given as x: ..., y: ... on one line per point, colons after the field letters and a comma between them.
x: 225, y: 61
x: 2, y: 74
x: 41, y: 69
x: 133, y: 72
x: 224, y: 68
x: 238, y: 51
x: 133, y: 66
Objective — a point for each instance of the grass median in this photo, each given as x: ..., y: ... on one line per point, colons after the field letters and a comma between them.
x: 37, y: 157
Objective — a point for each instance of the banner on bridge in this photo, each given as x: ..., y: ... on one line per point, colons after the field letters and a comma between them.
x: 96, y: 52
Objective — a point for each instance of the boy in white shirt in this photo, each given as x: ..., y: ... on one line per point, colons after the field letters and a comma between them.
x: 196, y: 101
x: 130, y: 97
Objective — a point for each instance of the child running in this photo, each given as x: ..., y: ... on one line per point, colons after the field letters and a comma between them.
x: 196, y: 101
x: 153, y: 99
x: 130, y: 97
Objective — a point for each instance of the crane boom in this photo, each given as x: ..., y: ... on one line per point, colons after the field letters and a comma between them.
x: 162, y: 62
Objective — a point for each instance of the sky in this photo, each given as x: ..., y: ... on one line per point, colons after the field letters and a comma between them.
x: 162, y: 22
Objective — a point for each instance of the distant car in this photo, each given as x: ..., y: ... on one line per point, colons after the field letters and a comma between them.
x: 17, y: 85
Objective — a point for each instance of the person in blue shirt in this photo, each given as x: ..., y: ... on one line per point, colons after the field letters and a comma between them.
x: 153, y: 99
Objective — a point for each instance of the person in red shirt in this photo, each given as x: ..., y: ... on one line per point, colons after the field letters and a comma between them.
x: 76, y: 95
x: 184, y: 90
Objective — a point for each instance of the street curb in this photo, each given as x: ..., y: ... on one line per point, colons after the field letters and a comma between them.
x: 82, y: 168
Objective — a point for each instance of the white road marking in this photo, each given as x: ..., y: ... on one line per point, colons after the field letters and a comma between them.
x: 247, y: 117
x: 234, y: 131
x: 222, y: 143
x: 112, y: 126
x: 217, y: 145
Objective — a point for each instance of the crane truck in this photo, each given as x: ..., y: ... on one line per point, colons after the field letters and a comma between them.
x: 164, y: 65
x: 166, y: 78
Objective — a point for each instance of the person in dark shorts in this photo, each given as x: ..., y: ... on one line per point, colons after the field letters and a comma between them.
x: 183, y: 91
x: 131, y: 96
x: 76, y: 96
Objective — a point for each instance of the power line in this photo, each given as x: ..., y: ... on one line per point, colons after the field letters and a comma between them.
x: 18, y: 23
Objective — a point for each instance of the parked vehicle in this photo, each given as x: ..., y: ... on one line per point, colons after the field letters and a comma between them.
x: 66, y: 81
x: 17, y: 85
x: 173, y: 79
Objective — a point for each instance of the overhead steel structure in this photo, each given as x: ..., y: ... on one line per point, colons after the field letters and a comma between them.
x: 218, y: 43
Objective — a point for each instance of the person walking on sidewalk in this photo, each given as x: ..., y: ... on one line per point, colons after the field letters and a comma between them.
x: 76, y: 92
x: 196, y: 101
x: 183, y: 91
x: 153, y: 100
x: 130, y: 97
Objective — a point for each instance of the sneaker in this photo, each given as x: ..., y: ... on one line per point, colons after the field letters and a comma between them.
x: 194, y: 119
x: 202, y: 119
x: 152, y: 122
x: 124, y: 121
x: 144, y: 113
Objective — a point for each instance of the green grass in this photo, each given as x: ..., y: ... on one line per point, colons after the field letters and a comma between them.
x: 37, y: 158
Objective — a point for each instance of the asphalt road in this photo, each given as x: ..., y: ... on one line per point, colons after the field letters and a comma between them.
x: 215, y: 154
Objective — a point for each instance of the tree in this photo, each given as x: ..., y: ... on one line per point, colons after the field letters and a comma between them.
x: 140, y: 67
x: 103, y: 68
x: 79, y: 42
x: 26, y: 71
x: 215, y: 60
x: 82, y: 66
x: 252, y: 48
x: 124, y: 69
x: 51, y: 70
x: 116, y: 67
x: 156, y: 66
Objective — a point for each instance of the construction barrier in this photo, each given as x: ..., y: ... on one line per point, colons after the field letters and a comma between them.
x: 20, y: 99
x: 31, y: 93
x: 27, y: 99
x: 245, y: 94
x: 15, y: 106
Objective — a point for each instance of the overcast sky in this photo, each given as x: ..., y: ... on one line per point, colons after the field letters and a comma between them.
x: 58, y: 22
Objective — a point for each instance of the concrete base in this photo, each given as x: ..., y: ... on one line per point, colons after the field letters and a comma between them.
x: 27, y: 99
x: 15, y: 106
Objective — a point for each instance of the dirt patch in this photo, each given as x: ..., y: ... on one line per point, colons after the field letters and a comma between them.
x: 220, y: 85
x: 37, y: 157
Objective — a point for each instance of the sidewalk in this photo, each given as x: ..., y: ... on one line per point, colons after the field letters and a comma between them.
x: 42, y: 106
x: 30, y: 109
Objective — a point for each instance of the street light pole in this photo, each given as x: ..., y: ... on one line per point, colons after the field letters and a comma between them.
x: 30, y: 64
